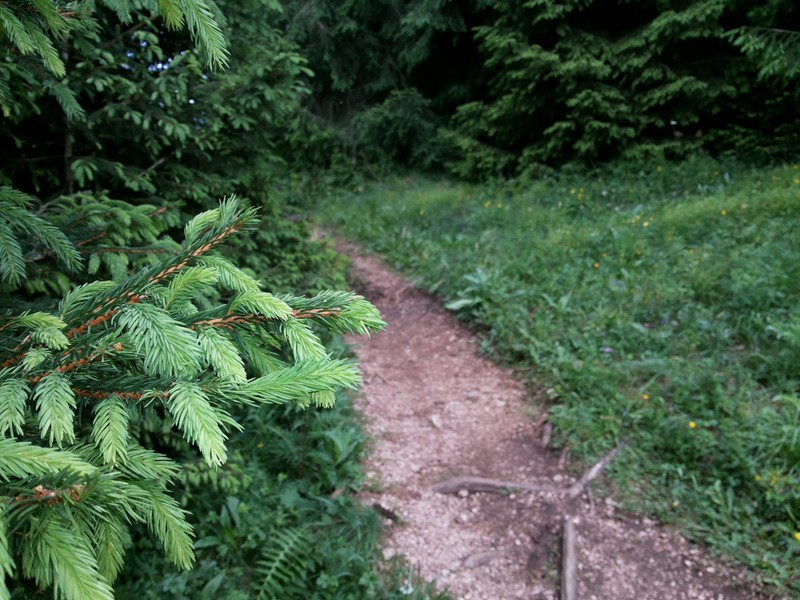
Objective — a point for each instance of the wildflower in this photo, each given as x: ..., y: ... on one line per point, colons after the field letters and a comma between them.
x: 692, y: 424
x: 596, y: 265
x: 723, y: 212
x: 645, y: 396
x: 757, y: 477
x: 797, y: 536
x: 607, y: 350
x: 260, y: 445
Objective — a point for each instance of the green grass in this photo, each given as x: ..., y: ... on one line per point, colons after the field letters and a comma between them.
x: 658, y: 304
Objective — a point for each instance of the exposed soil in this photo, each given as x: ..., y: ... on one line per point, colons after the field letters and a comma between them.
x: 436, y: 410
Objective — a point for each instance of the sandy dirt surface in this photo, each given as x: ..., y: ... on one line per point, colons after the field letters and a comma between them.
x: 435, y: 410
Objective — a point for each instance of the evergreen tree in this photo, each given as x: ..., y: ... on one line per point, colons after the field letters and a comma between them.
x: 157, y: 336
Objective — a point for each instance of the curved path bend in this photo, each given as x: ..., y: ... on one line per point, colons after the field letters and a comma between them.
x: 435, y: 409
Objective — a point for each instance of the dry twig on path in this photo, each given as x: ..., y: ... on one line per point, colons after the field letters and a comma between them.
x: 483, y: 484
x: 569, y: 565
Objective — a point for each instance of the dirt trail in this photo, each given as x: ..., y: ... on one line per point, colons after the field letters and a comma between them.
x: 435, y: 410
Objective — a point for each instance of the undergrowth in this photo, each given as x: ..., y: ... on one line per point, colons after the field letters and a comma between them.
x: 278, y: 521
x: 657, y: 304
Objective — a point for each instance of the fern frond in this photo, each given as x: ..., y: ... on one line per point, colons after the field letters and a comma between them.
x: 55, y: 404
x: 13, y: 398
x: 284, y: 562
x: 200, y: 422
x: 110, y: 429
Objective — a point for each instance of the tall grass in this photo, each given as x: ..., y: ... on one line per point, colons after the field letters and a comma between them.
x: 659, y: 304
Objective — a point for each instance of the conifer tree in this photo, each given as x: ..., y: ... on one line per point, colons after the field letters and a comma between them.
x: 176, y: 341
x: 75, y: 383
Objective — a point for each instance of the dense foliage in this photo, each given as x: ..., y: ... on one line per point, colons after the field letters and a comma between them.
x: 133, y: 351
x: 491, y: 88
x: 129, y: 361
x: 657, y: 306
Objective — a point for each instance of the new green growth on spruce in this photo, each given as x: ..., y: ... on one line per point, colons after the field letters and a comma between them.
x: 76, y: 386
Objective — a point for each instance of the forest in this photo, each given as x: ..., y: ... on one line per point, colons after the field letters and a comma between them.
x: 607, y: 191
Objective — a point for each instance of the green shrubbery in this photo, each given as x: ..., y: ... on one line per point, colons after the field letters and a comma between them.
x: 656, y: 304
x: 143, y: 381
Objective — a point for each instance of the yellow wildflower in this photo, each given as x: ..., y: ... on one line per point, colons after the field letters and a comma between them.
x: 723, y: 212
x: 692, y: 424
x: 797, y: 536
x: 596, y: 265
x: 645, y: 396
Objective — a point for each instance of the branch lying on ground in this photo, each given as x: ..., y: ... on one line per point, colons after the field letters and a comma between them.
x: 482, y: 484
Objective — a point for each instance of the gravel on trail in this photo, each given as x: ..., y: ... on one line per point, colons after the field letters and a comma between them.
x: 435, y: 409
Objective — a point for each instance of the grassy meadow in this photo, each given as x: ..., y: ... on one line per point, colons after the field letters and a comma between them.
x: 658, y: 305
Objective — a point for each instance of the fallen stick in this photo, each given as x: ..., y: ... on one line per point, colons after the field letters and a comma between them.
x: 577, y: 488
x: 547, y: 434
x: 569, y: 565
x: 495, y: 486
x: 482, y: 484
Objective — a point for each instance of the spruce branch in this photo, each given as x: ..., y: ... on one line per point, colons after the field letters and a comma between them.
x: 140, y: 344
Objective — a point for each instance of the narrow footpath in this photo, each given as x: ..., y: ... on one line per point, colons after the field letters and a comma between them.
x: 436, y: 410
